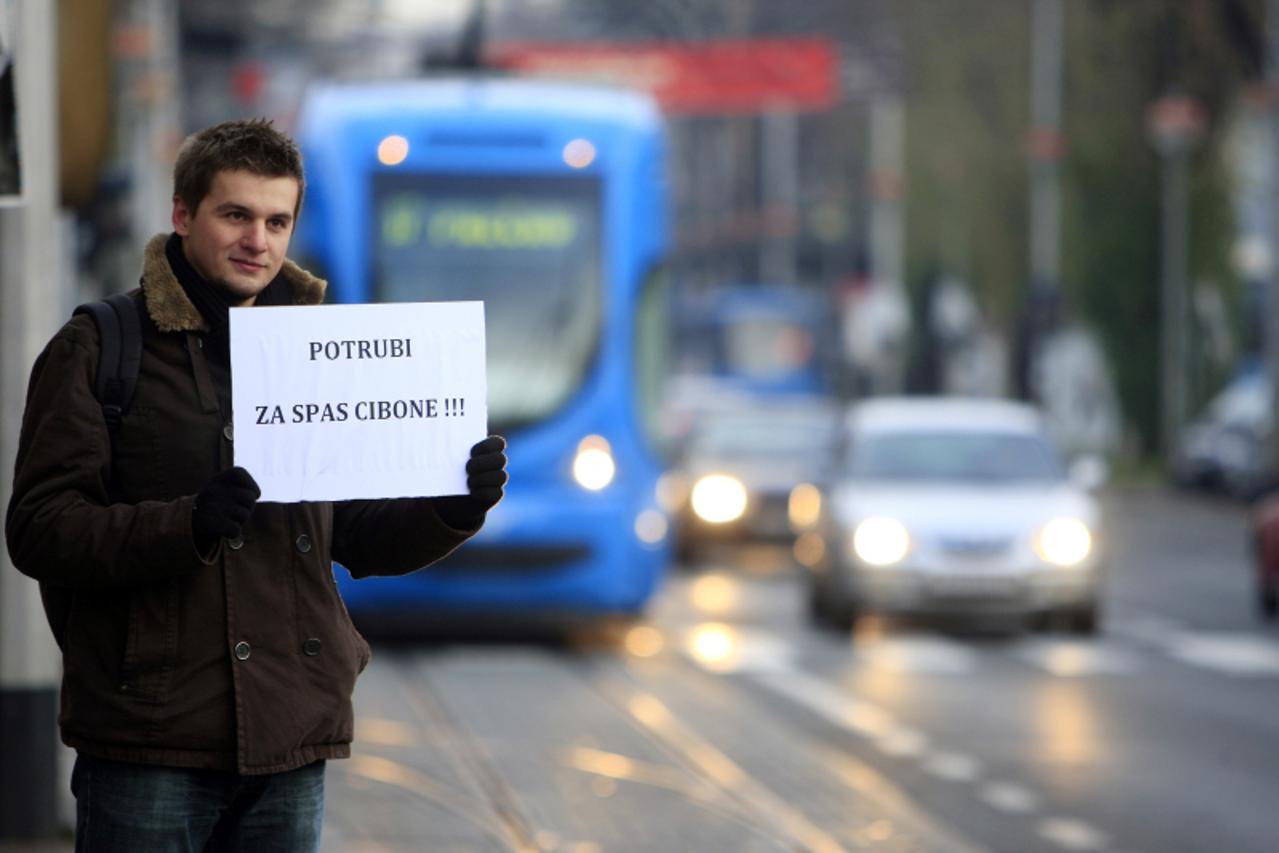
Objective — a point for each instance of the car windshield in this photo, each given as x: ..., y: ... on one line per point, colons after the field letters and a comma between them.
x: 1244, y: 401
x: 987, y: 457
x: 779, y: 434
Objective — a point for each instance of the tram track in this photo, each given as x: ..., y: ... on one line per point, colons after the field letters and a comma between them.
x: 467, y: 757
x: 696, y: 772
x: 781, y: 821
x: 594, y: 752
x: 810, y: 819
x: 495, y: 815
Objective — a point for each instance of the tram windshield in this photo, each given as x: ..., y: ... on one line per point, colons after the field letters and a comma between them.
x: 528, y: 247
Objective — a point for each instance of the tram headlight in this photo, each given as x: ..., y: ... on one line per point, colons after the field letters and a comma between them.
x: 593, y: 466
x: 579, y: 153
x: 881, y: 541
x: 718, y: 498
x: 393, y: 150
x: 1064, y: 542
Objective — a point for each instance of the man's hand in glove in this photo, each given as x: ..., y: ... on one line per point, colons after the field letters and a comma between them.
x: 485, y: 477
x: 222, y: 507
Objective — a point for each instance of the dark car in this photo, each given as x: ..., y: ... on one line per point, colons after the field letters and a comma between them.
x: 752, y: 473
x: 1224, y: 449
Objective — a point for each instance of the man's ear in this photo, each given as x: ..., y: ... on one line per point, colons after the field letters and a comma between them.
x: 181, y: 217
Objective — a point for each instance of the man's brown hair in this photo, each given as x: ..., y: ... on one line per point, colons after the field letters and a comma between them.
x: 247, y: 145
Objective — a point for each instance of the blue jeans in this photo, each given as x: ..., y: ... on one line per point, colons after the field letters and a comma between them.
x: 128, y: 808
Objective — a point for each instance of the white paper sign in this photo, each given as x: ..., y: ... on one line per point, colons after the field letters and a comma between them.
x: 338, y: 402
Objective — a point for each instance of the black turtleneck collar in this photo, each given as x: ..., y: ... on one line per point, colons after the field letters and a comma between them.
x: 213, y: 302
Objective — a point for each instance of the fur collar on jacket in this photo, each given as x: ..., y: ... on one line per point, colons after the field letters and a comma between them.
x: 173, y: 312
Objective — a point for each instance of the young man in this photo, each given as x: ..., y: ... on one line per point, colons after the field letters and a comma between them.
x: 208, y: 662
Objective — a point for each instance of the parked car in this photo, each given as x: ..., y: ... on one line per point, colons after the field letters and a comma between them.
x: 1224, y: 448
x: 1265, y: 537
x: 752, y: 472
x: 957, y: 506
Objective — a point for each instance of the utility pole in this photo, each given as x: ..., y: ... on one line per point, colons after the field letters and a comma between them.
x: 887, y: 165
x: 1270, y: 325
x: 1044, y: 147
x: 1175, y: 123
x: 887, y: 240
x: 30, y: 307
x: 779, y: 153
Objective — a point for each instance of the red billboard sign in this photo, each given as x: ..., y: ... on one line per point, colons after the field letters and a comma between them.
x: 724, y: 76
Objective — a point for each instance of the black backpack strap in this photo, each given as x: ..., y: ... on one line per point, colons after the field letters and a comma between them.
x: 120, y: 331
x: 126, y: 308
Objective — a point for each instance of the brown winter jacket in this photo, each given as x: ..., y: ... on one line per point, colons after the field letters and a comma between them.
x: 246, y: 662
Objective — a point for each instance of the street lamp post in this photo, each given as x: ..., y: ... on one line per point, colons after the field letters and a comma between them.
x: 1044, y: 145
x: 1175, y: 123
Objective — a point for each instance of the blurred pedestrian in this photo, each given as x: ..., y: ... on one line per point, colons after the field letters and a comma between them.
x: 208, y: 662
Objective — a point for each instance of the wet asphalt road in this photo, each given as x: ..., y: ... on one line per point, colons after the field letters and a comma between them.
x: 726, y: 722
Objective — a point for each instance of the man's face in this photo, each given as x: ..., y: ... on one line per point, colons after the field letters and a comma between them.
x: 238, y: 236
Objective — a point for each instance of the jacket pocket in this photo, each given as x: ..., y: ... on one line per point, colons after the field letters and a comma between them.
x: 151, y: 642
x: 138, y: 469
x: 363, y: 654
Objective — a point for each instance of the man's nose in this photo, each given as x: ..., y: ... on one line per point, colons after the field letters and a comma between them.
x: 254, y: 236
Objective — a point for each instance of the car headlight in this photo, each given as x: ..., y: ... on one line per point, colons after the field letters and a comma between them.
x: 881, y: 541
x: 1064, y: 542
x: 593, y: 466
x: 718, y: 498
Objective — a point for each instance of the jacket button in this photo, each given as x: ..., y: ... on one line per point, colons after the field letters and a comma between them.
x: 312, y: 646
x: 235, y: 544
x: 228, y: 432
x: 304, y: 543
x: 242, y: 650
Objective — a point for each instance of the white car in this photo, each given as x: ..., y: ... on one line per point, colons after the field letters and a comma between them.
x: 957, y: 506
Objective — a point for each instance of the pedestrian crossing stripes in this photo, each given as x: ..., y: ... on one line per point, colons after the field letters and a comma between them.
x: 1237, y: 654
x: 725, y: 648
x: 1068, y: 659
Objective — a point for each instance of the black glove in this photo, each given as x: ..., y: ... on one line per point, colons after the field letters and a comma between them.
x: 222, y: 507
x: 485, y: 477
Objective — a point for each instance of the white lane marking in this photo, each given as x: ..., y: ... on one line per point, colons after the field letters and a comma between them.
x: 917, y: 654
x: 1010, y: 797
x: 830, y: 703
x: 1154, y: 630
x: 871, y: 721
x: 953, y: 766
x: 1236, y: 654
x: 903, y: 742
x: 1072, y: 834
x: 1074, y: 658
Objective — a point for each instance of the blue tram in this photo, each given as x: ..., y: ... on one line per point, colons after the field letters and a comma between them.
x: 548, y: 202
